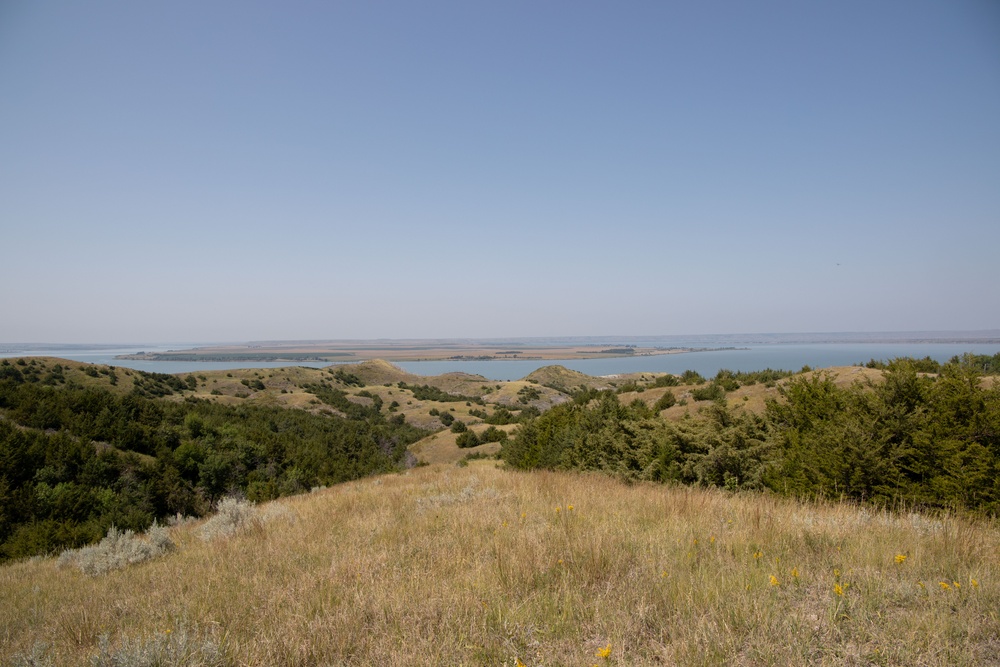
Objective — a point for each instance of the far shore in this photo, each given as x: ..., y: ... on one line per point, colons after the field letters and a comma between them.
x: 430, y: 351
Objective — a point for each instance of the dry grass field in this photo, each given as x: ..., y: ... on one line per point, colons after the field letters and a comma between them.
x: 476, y: 565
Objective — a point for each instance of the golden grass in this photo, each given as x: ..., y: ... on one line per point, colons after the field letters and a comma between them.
x: 482, y: 566
x: 441, y: 448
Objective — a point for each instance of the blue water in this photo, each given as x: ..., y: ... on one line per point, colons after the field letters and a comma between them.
x: 755, y: 357
x: 107, y: 356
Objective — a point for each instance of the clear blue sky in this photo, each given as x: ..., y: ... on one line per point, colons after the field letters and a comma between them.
x: 234, y: 170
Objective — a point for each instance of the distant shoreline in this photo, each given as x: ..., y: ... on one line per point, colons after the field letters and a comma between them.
x: 536, y: 349
x: 348, y: 354
x: 508, y: 344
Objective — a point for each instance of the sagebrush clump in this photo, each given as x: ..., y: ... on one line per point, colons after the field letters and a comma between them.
x: 119, y: 549
x: 179, y: 648
x: 232, y: 516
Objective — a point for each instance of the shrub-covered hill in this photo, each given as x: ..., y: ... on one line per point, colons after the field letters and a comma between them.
x: 85, y: 447
x: 484, y: 566
x: 77, y: 458
x: 908, y: 438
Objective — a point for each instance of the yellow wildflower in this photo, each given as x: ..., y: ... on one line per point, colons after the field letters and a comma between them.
x: 711, y: 540
x: 900, y: 559
x: 665, y: 574
x: 519, y: 663
x: 604, y: 651
x: 944, y: 585
x: 975, y: 584
x: 569, y: 508
x: 956, y: 585
x: 836, y: 573
x: 774, y: 581
x: 558, y: 509
x: 795, y: 573
x: 757, y: 555
x: 839, y: 590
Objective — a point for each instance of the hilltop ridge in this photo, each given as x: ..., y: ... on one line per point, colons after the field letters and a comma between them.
x: 479, y: 565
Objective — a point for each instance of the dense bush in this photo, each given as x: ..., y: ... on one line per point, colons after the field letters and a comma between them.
x: 691, y: 377
x: 349, y: 379
x: 493, y: 434
x: 428, y: 393
x: 667, y: 381
x: 911, y: 438
x: 667, y: 400
x: 710, y: 392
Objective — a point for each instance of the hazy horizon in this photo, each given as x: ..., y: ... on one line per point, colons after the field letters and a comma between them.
x: 242, y: 171
x: 989, y: 335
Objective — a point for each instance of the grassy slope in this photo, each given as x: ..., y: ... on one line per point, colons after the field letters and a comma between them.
x: 477, y: 565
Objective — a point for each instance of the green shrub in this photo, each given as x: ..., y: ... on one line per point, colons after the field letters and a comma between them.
x: 527, y: 394
x: 350, y: 379
x: 667, y: 381
x: 712, y: 392
x: 467, y: 439
x: 692, y: 377
x: 493, y: 434
x: 666, y: 401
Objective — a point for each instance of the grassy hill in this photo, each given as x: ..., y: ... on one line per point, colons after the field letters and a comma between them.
x: 478, y: 565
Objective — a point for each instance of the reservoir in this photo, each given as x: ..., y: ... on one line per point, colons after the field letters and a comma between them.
x: 779, y: 356
x: 708, y: 363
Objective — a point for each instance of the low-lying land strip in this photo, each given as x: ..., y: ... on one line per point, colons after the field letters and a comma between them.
x: 344, y: 351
